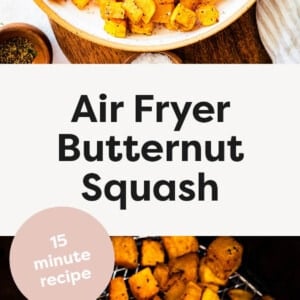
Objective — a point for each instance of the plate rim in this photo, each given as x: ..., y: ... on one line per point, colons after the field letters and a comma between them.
x: 52, y: 15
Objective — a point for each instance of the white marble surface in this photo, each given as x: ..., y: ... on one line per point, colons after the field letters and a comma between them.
x: 27, y: 11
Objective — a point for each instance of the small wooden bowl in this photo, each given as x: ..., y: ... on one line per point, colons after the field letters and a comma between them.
x: 172, y: 56
x: 33, y: 34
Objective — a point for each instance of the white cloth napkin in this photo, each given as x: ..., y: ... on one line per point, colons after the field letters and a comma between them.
x: 278, y: 23
x: 27, y: 11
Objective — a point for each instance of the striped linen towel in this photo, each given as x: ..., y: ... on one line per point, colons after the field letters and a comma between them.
x: 278, y: 23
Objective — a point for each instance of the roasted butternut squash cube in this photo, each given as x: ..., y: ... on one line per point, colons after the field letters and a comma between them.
x: 163, y: 12
x: 172, y: 279
x: 117, y: 28
x: 207, y: 14
x: 125, y: 249
x: 192, y: 291
x: 118, y: 289
x: 148, y: 8
x: 207, y: 276
x: 133, y: 12
x: 183, y: 18
x: 171, y: 25
x: 211, y: 286
x: 239, y: 294
x: 142, y: 28
x: 209, y: 294
x: 175, y: 291
x: 102, y: 5
x: 143, y: 285
x: 81, y: 4
x: 187, y: 265
x: 161, y: 274
x: 224, y: 256
x: 191, y: 4
x: 113, y: 10
x: 152, y: 253
x: 179, y: 245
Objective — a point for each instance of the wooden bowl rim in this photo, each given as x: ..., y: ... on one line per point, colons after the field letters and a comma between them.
x: 34, y: 34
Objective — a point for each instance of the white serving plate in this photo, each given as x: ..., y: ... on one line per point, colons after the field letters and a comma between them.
x: 88, y: 24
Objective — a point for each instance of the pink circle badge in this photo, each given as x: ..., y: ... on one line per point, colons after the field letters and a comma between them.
x: 61, y: 253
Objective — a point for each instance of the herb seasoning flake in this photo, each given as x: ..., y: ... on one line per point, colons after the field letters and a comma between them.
x: 17, y: 50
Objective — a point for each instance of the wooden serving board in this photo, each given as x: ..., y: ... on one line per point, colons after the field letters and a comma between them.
x: 239, y: 43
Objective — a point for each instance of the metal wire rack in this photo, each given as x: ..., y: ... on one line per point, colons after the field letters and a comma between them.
x: 235, y: 281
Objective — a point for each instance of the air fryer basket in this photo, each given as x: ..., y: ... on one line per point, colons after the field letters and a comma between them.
x: 235, y: 281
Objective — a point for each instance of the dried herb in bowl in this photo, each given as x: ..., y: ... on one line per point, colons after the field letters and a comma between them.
x: 17, y: 50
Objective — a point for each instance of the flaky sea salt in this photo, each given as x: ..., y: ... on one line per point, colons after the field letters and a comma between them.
x: 152, y: 58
